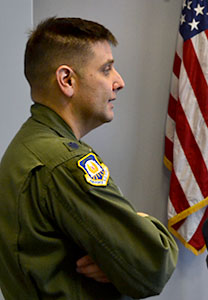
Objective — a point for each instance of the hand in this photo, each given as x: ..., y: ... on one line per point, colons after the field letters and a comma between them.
x: 87, y: 267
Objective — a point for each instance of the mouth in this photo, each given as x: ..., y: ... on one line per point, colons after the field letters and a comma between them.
x: 110, y: 100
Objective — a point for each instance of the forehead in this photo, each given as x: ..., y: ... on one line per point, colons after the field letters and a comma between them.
x: 102, y: 53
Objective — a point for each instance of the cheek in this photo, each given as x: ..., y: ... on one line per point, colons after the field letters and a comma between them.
x: 104, y: 89
x: 97, y: 90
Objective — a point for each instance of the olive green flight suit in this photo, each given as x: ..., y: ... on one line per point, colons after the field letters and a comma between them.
x: 53, y: 213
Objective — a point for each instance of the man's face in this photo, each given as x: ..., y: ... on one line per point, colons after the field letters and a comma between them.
x: 98, y: 86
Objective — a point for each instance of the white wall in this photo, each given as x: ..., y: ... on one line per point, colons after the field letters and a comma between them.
x: 15, y: 20
x: 132, y: 145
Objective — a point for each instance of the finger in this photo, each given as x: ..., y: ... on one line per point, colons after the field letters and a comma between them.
x: 102, y: 279
x: 97, y: 276
x: 142, y: 214
x: 84, y: 261
x: 93, y: 271
x: 87, y: 269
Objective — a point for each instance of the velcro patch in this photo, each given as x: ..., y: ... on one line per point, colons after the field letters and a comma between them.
x: 96, y: 173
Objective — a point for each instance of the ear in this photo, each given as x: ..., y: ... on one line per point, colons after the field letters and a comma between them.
x: 66, y: 81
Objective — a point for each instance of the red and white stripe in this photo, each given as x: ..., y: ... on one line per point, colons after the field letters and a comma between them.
x: 186, y: 141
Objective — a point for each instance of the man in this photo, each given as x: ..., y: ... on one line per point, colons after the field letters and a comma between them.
x: 66, y: 232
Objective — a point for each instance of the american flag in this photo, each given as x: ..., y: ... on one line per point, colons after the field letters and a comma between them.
x: 186, y: 140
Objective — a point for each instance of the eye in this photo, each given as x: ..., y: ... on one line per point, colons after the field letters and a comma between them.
x: 107, y: 69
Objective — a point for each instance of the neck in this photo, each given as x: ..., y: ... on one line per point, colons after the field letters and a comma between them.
x: 79, y: 127
x: 65, y: 109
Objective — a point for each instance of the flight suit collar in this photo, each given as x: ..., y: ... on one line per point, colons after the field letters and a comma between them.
x: 50, y: 118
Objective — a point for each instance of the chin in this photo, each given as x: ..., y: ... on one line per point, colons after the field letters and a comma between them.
x: 110, y: 116
x: 109, y: 119
x: 106, y: 118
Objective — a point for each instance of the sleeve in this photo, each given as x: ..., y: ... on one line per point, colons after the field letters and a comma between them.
x: 137, y: 254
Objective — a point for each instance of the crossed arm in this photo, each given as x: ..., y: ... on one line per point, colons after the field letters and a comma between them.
x: 87, y: 267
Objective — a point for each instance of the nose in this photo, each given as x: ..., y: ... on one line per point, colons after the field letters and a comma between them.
x: 118, y: 83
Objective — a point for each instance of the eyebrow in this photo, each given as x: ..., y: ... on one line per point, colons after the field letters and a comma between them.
x: 109, y: 62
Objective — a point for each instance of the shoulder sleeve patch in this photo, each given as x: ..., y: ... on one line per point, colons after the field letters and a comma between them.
x: 96, y: 173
